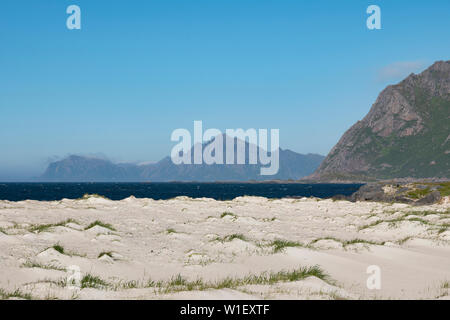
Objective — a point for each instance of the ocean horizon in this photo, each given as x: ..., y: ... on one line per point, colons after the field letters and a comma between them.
x: 52, y: 191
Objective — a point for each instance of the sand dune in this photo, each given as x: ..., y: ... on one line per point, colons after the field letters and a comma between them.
x: 248, y: 248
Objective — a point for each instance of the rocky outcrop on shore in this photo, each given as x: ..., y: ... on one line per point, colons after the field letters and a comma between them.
x: 412, y: 193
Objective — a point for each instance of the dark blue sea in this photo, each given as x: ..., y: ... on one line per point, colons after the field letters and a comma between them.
x: 157, y: 191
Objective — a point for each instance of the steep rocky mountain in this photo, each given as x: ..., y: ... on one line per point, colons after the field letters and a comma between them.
x: 406, y: 133
x: 82, y: 169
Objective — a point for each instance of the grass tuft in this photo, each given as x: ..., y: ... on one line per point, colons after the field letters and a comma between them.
x: 105, y: 253
x: 231, y: 237
x: 425, y: 213
x: 444, y: 228
x: 179, y: 283
x: 404, y: 240
x: 44, y: 227
x: 33, y: 264
x: 355, y: 241
x: 90, y: 281
x: 101, y: 224
x: 279, y: 245
x: 224, y: 214
x: 171, y: 230
x: 346, y: 243
x: 5, y: 295
x: 59, y: 248
x: 94, y: 195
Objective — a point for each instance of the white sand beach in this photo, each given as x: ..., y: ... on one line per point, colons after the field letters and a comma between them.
x: 246, y: 248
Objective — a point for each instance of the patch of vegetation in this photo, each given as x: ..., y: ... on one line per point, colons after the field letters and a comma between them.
x: 444, y: 189
x: 90, y: 281
x: 59, y: 248
x: 5, y: 295
x: 355, y: 241
x: 239, y: 236
x: 231, y: 237
x: 418, y: 220
x: 404, y: 240
x: 373, y: 224
x: 391, y: 222
x: 346, y: 243
x: 444, y: 228
x: 50, y: 296
x: 152, y: 284
x: 279, y: 245
x: 60, y: 282
x: 335, y: 296
x: 269, y: 278
x: 94, y: 195
x: 33, y: 264
x: 426, y: 213
x: 101, y: 224
x: 418, y: 193
x: 445, y: 285
x: 105, y: 253
x: 44, y: 227
x: 224, y: 214
x: 132, y: 284
x: 179, y: 283
x: 171, y: 230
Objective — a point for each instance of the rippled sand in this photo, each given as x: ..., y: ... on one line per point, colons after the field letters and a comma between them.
x: 185, y: 248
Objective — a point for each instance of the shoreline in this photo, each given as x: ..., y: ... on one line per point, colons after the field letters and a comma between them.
x: 17, y: 192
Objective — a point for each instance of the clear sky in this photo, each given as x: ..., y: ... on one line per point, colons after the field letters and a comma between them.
x: 137, y: 70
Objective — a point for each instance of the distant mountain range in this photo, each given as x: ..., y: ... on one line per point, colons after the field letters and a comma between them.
x: 406, y: 134
x: 84, y: 169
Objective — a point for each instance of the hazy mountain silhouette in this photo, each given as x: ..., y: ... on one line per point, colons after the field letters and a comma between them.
x: 75, y: 168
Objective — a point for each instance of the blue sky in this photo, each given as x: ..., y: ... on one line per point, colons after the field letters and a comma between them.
x: 137, y: 70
